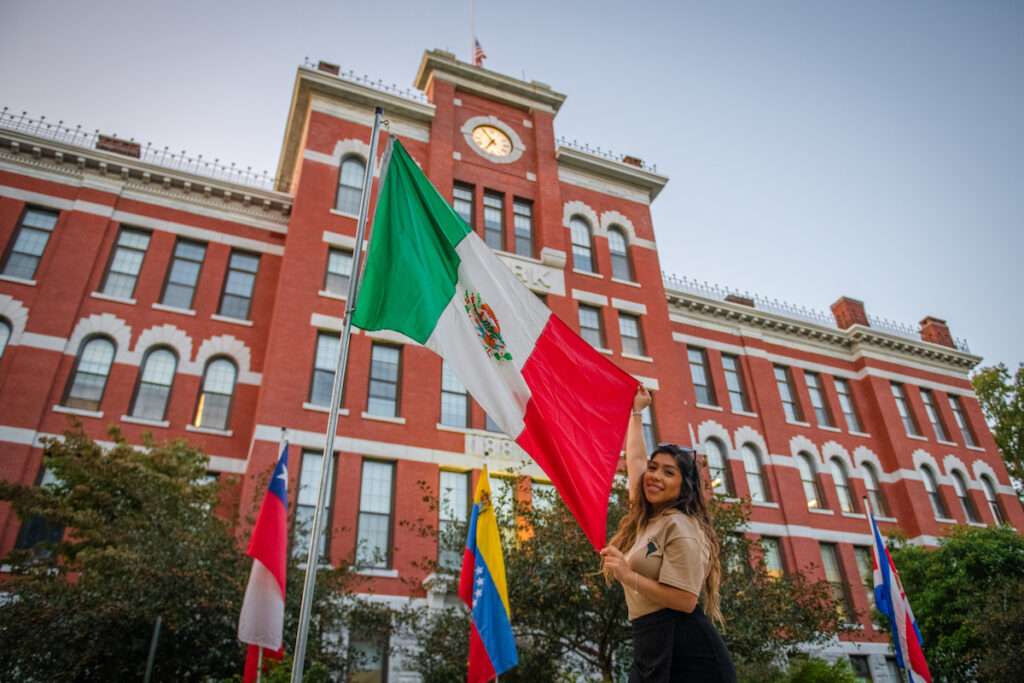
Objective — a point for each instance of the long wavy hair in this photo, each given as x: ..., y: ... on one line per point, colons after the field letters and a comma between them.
x: 691, y: 502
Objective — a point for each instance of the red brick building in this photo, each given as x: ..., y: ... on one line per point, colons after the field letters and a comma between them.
x: 195, y: 301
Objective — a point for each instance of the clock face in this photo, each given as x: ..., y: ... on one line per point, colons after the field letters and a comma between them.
x: 492, y: 141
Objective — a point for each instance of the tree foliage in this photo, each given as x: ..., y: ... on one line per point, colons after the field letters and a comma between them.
x: 143, y: 539
x: 1002, y: 400
x: 968, y: 598
x: 570, y: 625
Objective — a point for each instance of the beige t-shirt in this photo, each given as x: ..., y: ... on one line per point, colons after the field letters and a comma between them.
x: 672, y: 550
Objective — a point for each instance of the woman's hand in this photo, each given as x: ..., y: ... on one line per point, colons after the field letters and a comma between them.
x: 615, y: 561
x: 642, y: 399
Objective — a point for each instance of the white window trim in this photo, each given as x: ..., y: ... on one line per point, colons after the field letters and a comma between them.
x: 233, y: 321
x: 383, y: 418
x: 145, y: 421
x: 77, y: 411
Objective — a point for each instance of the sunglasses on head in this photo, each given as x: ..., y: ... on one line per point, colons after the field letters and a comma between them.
x: 675, y: 449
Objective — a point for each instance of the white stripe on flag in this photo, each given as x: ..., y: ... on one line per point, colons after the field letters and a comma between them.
x: 262, y: 617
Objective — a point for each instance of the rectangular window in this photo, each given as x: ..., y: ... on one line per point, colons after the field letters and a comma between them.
x: 305, y: 504
x: 503, y: 496
x: 629, y: 331
x: 866, y: 568
x: 853, y: 422
x: 376, y: 494
x: 385, y: 367
x: 784, y: 379
x: 701, y: 377
x: 452, y: 514
x: 542, y: 496
x: 900, y: 397
x: 649, y: 428
x: 494, y: 221
x: 834, y: 576
x: 236, y: 298
x: 125, y: 263
x: 30, y: 238
x: 522, y: 219
x: 822, y: 412
x: 339, y: 271
x: 324, y: 364
x: 590, y: 326
x: 490, y: 425
x: 772, y: 549
x: 861, y: 667
x: 36, y: 533
x: 183, y: 274
x: 454, y: 399
x: 931, y: 409
x: 961, y: 420
x: 737, y: 386
x: 462, y: 202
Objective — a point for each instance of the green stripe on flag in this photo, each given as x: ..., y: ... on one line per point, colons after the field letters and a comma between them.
x: 411, y: 265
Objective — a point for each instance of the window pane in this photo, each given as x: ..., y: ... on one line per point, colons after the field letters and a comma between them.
x: 993, y: 502
x: 934, y: 497
x: 462, y: 202
x: 932, y: 411
x: 523, y: 224
x: 784, y: 380
x: 966, y: 504
x: 155, y: 385
x: 705, y: 390
x: 215, y: 399
x: 494, y: 231
x: 734, y: 382
x: 5, y: 336
x: 847, y: 405
x: 718, y: 467
x: 375, y: 514
x: 183, y: 275
x: 772, y: 556
x: 822, y: 412
x: 842, y: 483
x: 590, y: 326
x: 961, y: 420
x: 339, y: 270
x: 617, y: 246
x: 755, y: 479
x: 899, y: 396
x: 629, y: 331
x: 305, y: 504
x: 32, y: 235
x: 581, y: 249
x: 324, y: 364
x: 809, y: 481
x: 383, y: 390
x: 350, y: 185
x: 453, y: 511
x: 454, y: 399
x: 875, y: 496
x: 90, y: 375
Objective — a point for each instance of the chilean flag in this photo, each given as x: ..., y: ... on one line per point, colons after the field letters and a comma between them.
x: 492, y: 649
x: 262, y: 619
x: 893, y: 603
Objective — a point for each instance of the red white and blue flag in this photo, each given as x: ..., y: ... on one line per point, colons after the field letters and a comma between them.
x: 478, y: 53
x: 893, y: 603
x: 492, y: 648
x: 261, y: 622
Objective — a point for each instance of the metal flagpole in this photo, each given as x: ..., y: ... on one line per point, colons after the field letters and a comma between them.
x: 472, y: 33
x: 259, y: 664
x: 312, y: 560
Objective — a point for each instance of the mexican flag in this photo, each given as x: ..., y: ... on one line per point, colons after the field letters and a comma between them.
x: 431, y: 278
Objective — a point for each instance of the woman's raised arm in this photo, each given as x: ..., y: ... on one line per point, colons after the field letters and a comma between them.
x: 636, y: 449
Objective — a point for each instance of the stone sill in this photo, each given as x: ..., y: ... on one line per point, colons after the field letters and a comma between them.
x: 115, y: 299
x: 383, y: 418
x: 174, y: 309
x: 78, y: 411
x: 706, y: 406
x: 233, y: 321
x: 384, y: 573
x: 645, y: 359
x: 322, y: 409
x: 331, y: 295
x: 18, y: 280
x: 145, y: 421
x: 588, y: 274
x: 208, y: 430
x: 629, y: 283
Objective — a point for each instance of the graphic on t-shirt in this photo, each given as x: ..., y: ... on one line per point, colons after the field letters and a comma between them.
x: 652, y: 547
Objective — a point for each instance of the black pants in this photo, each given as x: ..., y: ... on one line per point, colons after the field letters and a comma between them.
x: 672, y: 647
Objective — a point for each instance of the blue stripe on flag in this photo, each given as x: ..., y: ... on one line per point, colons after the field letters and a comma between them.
x: 491, y: 619
x: 279, y: 480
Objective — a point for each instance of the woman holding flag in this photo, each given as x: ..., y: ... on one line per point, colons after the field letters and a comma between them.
x: 665, y: 553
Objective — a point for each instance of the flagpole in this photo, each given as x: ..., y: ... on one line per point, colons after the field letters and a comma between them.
x: 904, y: 675
x: 312, y: 559
x: 259, y: 664
x: 472, y: 33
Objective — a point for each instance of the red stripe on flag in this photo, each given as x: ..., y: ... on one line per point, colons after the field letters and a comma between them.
x: 269, y: 542
x: 576, y: 422
x: 466, y: 577
x: 252, y: 658
x: 480, y: 668
x: 914, y: 657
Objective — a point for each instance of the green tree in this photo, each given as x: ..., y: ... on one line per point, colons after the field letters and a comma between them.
x: 570, y: 625
x: 968, y: 598
x: 142, y: 542
x: 143, y: 539
x: 1002, y: 400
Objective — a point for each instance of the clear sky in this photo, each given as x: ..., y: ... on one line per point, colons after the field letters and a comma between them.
x: 869, y: 148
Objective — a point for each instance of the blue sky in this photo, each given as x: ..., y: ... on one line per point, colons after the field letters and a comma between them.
x: 872, y: 149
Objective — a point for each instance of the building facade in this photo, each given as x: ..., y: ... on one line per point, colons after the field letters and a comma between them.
x: 195, y: 301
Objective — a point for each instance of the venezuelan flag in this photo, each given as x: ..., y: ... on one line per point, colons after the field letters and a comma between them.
x: 492, y: 649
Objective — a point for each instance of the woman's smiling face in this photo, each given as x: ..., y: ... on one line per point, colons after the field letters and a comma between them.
x: 662, y: 480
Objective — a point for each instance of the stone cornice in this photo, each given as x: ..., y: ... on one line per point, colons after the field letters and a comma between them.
x: 851, y: 339
x: 526, y: 95
x: 73, y: 161
x: 620, y: 172
x: 309, y: 81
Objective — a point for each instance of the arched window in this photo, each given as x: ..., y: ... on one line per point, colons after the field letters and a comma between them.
x: 214, y: 407
x: 618, y: 245
x: 153, y: 387
x: 5, y: 335
x: 842, y: 482
x: 993, y: 501
x: 89, y: 376
x: 350, y: 185
x: 932, y: 487
x: 960, y: 485
x: 809, y: 479
x: 582, y: 249
x: 718, y: 467
x: 755, y: 477
x: 874, y: 489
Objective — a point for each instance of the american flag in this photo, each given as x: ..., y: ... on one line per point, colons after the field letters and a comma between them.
x: 478, y: 53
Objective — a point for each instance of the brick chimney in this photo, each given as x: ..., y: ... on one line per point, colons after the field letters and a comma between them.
x: 935, y: 331
x: 849, y: 312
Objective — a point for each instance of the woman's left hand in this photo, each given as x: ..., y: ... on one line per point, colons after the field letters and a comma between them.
x: 615, y: 561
